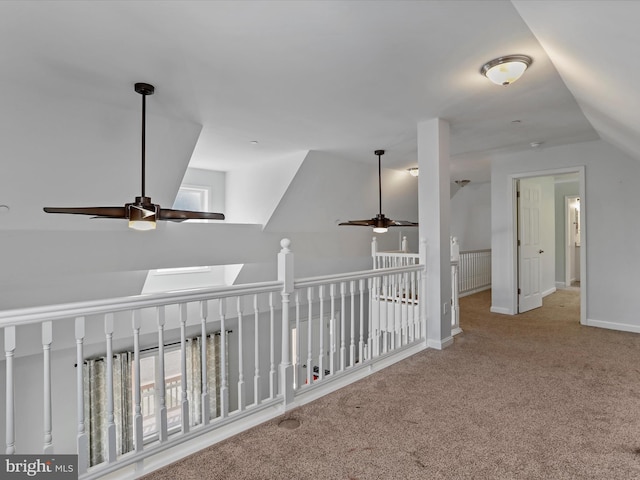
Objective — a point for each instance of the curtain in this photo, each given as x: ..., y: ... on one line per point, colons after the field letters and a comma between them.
x: 123, y: 401
x: 95, y: 405
x: 194, y: 376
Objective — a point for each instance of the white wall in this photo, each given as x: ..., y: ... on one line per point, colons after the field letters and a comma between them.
x: 159, y: 281
x: 471, y: 216
x: 610, y: 239
x: 105, y: 260
x: 253, y: 192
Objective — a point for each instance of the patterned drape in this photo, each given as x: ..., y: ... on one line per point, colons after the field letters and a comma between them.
x: 95, y: 394
x: 123, y: 401
x: 194, y: 376
x: 95, y: 405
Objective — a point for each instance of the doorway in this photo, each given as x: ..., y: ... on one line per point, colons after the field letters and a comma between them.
x: 549, y: 236
x: 572, y: 241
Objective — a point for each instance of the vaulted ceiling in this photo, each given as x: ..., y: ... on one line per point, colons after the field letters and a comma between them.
x: 345, y: 77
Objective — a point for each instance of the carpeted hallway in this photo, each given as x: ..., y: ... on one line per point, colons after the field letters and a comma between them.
x: 533, y: 396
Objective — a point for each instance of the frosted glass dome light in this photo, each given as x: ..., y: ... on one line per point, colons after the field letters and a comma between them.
x: 506, y: 70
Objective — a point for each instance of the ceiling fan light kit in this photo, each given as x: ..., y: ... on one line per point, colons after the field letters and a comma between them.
x: 380, y: 223
x: 142, y: 214
x: 506, y: 70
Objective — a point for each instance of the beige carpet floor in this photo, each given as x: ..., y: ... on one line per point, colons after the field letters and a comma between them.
x: 533, y: 396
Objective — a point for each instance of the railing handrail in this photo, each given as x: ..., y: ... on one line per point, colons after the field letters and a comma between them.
x: 483, y: 250
x: 397, y: 254
x: 345, y: 277
x: 23, y: 316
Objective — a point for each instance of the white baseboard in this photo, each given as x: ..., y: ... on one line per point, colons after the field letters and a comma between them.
x: 475, y: 290
x: 456, y: 331
x: 561, y: 285
x: 501, y: 310
x: 548, y: 292
x: 440, y: 344
x: 622, y: 327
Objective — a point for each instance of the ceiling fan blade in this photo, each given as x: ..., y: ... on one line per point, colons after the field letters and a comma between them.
x: 182, y: 215
x: 102, y: 212
x: 402, y: 223
x: 364, y: 223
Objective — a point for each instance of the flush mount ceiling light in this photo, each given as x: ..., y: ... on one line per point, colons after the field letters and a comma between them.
x: 506, y: 70
x: 414, y: 171
x: 380, y: 223
x: 142, y: 214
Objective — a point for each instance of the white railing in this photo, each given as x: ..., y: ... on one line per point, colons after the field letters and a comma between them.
x: 470, y: 271
x: 327, y: 321
x: 400, y: 258
x: 475, y: 271
x: 403, y: 257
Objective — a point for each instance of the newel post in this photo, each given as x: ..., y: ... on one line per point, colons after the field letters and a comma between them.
x: 285, y: 274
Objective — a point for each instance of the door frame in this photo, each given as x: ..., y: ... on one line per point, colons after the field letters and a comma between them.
x: 513, y: 207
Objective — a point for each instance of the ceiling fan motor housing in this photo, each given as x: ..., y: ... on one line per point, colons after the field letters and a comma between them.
x: 142, y: 210
x: 381, y: 221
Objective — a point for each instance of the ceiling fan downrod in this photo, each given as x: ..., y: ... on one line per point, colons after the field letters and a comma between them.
x: 144, y: 89
x: 379, y: 153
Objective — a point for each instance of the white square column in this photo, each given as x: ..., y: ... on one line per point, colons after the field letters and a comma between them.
x: 434, y: 217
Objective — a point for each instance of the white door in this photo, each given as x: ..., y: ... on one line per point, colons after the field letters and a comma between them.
x: 529, y: 247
